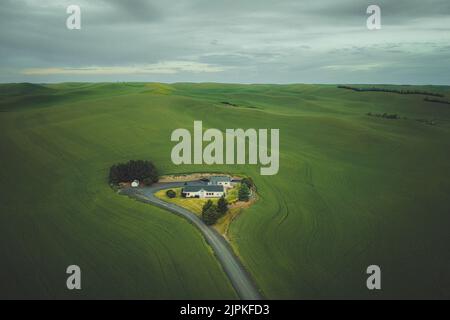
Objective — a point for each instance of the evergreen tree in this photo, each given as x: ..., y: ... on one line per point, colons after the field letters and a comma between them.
x: 248, y: 181
x: 244, y: 193
x: 206, y: 206
x: 210, y: 214
x: 222, y: 206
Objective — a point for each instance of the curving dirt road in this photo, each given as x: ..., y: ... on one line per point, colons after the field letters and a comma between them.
x: 233, y: 268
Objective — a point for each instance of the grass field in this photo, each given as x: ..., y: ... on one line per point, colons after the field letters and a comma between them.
x: 352, y: 190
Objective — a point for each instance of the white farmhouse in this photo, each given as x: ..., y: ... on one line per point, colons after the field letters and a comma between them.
x: 203, y: 191
x: 220, y: 181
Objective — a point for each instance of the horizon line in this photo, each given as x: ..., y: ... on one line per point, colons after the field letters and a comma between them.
x: 231, y: 83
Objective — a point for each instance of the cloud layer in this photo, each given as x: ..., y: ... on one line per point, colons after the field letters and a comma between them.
x: 167, y: 67
x: 323, y: 41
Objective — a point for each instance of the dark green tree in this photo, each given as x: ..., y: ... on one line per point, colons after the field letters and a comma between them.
x: 244, y: 193
x: 210, y: 214
x: 248, y: 181
x: 207, y: 205
x: 222, y: 206
x: 141, y: 170
x: 171, y: 194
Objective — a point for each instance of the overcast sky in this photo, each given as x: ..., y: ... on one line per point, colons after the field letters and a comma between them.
x: 244, y: 41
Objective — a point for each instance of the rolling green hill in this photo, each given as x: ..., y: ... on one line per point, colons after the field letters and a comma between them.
x: 352, y: 190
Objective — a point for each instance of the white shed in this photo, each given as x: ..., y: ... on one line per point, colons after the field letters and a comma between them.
x: 220, y: 181
x: 135, y: 184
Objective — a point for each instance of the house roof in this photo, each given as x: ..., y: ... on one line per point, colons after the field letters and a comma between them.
x: 202, y: 187
x: 216, y: 179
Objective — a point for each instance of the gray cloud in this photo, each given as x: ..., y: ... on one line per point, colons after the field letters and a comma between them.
x: 285, y: 41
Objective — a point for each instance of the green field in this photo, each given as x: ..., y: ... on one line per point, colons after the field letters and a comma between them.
x: 352, y: 190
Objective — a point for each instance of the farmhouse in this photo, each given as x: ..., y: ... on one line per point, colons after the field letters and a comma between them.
x: 220, y: 181
x: 203, y: 191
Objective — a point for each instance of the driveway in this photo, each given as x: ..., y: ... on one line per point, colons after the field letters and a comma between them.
x: 239, y: 277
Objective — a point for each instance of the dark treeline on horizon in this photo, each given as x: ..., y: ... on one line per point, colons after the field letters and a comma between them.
x: 375, y: 89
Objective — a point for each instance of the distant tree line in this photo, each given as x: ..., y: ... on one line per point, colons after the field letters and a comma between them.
x: 399, y: 91
x: 141, y: 170
x: 427, y: 121
x: 229, y: 103
x: 384, y: 115
x: 395, y: 117
x: 436, y: 100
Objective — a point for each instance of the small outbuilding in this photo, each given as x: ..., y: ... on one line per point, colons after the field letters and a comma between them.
x: 220, y: 181
x: 135, y: 184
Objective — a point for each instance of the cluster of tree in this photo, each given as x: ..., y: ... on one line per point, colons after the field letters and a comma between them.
x: 171, y: 194
x: 229, y: 104
x: 395, y: 116
x: 141, y: 170
x: 249, y: 182
x: 244, y: 192
x: 426, y: 121
x: 384, y: 115
x: 212, y: 212
x: 399, y: 91
x: 437, y: 100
